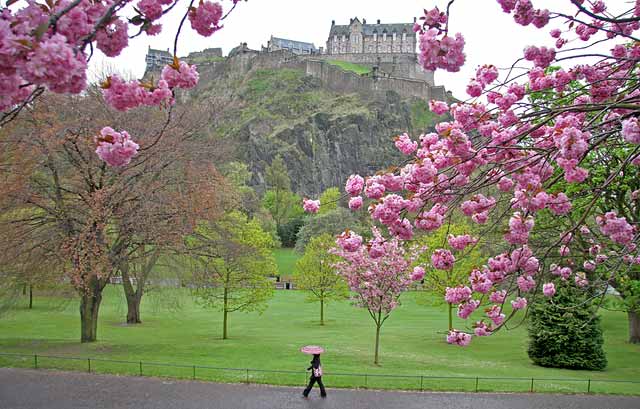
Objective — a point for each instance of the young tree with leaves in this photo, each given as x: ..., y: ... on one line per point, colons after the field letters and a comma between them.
x: 315, y: 273
x: 232, y: 260
x: 378, y: 274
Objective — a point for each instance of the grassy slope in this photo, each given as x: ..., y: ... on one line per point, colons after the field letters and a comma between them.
x: 412, y: 344
x: 349, y: 66
x: 286, y: 260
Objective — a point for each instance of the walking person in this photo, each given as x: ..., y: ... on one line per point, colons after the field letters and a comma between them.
x: 316, y: 370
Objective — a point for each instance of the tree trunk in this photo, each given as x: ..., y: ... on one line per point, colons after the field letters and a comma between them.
x: 133, y: 296
x: 24, y: 289
x: 450, y: 316
x: 89, y: 306
x: 321, y: 312
x: 375, y: 359
x: 224, y: 314
x: 634, y: 327
x: 30, y: 296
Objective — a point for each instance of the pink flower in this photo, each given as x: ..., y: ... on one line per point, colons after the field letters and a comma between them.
x: 526, y: 283
x: 519, y: 228
x: 374, y: 190
x: 495, y: 314
x: 432, y: 219
x: 467, y: 308
x: 417, y: 274
x: 616, y: 228
x: 581, y: 279
x: 505, y: 184
x: 459, y: 338
x: 631, y: 130
x: 438, y: 107
x: 355, y: 203
x: 405, y: 144
x: 311, y: 206
x: 519, y: 303
x: 481, y: 329
x: 548, y: 289
x: 486, y: 74
x: 563, y: 251
x: 498, y: 296
x: 474, y: 89
x: 354, y: 185
x: 151, y: 9
x: 446, y: 52
x: 457, y: 295
x: 115, y: 148
x: 442, y: 259
x: 113, y: 38
x: 461, y: 242
x: 479, y: 281
x: 57, y: 65
x: 206, y: 17
x: 349, y: 241
x: 184, y: 76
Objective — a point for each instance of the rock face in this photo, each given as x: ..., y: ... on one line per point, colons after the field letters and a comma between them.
x: 323, y: 136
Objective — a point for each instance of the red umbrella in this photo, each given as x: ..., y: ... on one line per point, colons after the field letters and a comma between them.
x: 312, y: 349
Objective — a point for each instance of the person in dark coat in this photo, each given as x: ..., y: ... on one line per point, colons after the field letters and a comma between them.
x: 316, y: 376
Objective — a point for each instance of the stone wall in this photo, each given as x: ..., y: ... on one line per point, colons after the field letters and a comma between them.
x: 339, y: 80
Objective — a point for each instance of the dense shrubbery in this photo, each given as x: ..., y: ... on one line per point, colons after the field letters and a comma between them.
x: 565, y: 332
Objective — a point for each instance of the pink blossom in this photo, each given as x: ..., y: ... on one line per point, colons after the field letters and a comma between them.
x: 589, y: 265
x: 459, y: 338
x: 405, y: 144
x: 355, y: 203
x: 481, y: 329
x: 474, y: 88
x: 467, y: 308
x: 374, y: 189
x: 432, y: 219
x: 461, y: 242
x: 438, y: 107
x: 505, y: 184
x: 479, y: 281
x: 486, y: 74
x: 115, y: 148
x: 446, y: 52
x: 631, y: 130
x: 456, y: 295
x: 495, y: 314
x: 349, y: 241
x: 526, y: 283
x: 112, y: 38
x: 498, y: 297
x: 519, y: 228
x: 581, y: 279
x: 559, y: 204
x: 151, y: 9
x: 519, y: 303
x: 311, y: 206
x: 185, y: 76
x: 548, y: 289
x: 417, y: 274
x: 206, y: 17
x: 442, y: 259
x: 354, y: 185
x: 563, y: 251
x: 616, y: 228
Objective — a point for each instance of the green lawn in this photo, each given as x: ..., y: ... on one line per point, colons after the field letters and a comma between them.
x: 349, y: 66
x: 286, y: 260
x: 177, y: 331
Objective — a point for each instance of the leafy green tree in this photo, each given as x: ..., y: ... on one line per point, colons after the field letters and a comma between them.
x: 333, y: 222
x: 282, y: 203
x: 565, y: 332
x: 232, y: 260
x: 288, y: 232
x: 315, y: 273
x: 329, y: 199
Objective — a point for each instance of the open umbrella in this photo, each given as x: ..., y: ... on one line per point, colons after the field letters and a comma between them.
x: 312, y: 349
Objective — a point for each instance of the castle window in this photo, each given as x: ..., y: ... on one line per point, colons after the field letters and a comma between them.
x: 384, y: 36
x: 375, y: 36
x: 394, y: 36
x: 404, y: 36
x: 335, y: 38
x: 344, y: 37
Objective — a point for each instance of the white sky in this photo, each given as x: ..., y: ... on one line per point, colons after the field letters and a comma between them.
x: 491, y: 35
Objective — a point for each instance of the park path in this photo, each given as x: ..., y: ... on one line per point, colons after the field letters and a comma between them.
x: 31, y: 389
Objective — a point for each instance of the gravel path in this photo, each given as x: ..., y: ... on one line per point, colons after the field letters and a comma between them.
x: 31, y: 389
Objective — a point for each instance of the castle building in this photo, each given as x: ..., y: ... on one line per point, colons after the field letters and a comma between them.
x: 296, y: 47
x: 362, y: 38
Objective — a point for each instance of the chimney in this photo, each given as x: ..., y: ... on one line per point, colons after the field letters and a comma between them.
x: 415, y: 20
x: 333, y: 22
x: 378, y: 21
x: 364, y: 21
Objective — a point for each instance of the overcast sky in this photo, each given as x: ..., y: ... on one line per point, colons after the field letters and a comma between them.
x: 491, y: 35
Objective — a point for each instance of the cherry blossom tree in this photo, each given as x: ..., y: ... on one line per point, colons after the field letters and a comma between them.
x: 46, y: 45
x: 378, y: 276
x: 526, y: 135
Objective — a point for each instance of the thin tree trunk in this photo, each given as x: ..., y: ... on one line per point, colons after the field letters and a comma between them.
x: 224, y: 314
x: 450, y: 316
x: 30, y: 296
x: 132, y: 295
x: 378, y: 325
x: 634, y: 327
x: 89, y: 306
x: 24, y: 289
x: 321, y: 312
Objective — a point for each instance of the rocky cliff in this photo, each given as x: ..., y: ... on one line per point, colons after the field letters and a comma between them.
x: 323, y: 135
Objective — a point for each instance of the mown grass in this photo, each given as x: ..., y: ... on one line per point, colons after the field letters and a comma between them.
x: 349, y: 66
x: 177, y: 331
